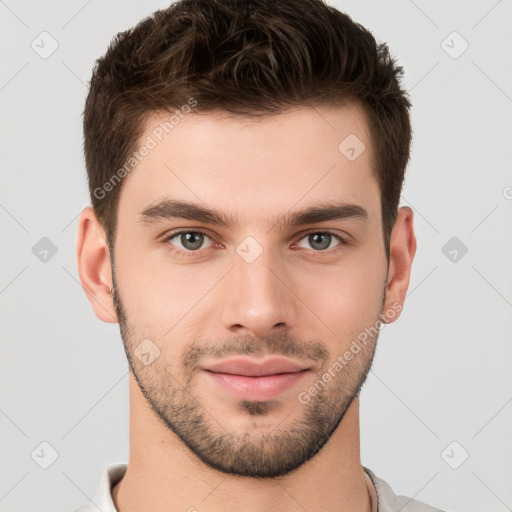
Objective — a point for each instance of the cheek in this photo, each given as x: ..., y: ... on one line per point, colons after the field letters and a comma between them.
x: 157, y: 294
x: 346, y: 297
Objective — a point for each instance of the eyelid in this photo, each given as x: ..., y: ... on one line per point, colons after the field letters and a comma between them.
x: 300, y: 236
x: 332, y: 232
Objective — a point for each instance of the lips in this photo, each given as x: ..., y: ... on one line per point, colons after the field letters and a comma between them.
x: 250, y: 368
x: 250, y: 380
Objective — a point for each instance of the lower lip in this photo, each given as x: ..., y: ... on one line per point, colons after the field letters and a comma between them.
x: 256, y: 388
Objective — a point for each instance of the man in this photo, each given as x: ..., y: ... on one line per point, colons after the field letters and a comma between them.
x: 245, y: 163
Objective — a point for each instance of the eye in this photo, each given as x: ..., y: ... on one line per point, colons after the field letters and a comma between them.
x: 321, y: 240
x: 188, y: 241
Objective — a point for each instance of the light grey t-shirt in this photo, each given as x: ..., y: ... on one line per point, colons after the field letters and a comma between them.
x: 386, y: 499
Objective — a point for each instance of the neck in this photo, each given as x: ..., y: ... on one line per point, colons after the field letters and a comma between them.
x: 164, y: 475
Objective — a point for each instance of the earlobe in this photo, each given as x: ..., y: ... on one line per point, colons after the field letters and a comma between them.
x: 94, y: 269
x: 402, y: 251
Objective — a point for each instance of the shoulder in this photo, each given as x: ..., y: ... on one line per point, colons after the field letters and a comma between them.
x: 388, y: 501
x: 103, y: 497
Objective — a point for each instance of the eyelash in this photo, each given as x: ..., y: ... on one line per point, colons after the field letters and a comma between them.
x: 191, y: 254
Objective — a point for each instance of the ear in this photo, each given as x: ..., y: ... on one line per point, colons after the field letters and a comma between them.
x: 402, y: 251
x: 94, y: 269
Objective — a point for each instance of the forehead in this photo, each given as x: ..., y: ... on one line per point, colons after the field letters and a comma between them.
x: 255, y: 166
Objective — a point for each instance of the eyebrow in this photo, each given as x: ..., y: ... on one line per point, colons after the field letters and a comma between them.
x: 176, y: 209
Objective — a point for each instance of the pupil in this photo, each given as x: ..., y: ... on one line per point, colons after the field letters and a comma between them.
x: 188, y: 238
x: 326, y: 238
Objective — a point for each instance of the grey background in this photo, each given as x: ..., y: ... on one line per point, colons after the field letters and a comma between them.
x: 442, y: 372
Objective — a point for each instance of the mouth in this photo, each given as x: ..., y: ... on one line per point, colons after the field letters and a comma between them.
x: 250, y: 380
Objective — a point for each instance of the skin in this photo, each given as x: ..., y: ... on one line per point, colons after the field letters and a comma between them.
x: 295, y: 299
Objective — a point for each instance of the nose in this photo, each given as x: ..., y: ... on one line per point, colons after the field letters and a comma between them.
x: 259, y: 296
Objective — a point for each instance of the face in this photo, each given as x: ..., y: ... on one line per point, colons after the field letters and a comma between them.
x: 288, y: 271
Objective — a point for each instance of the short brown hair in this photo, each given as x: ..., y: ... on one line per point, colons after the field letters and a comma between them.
x: 247, y: 57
